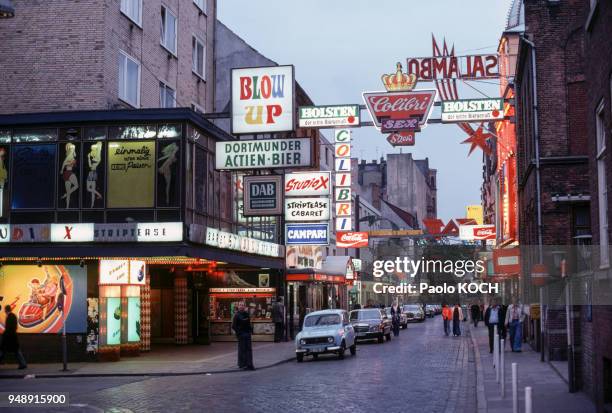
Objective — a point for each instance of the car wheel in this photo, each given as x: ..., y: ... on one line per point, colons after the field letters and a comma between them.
x: 381, y: 339
x: 353, y: 349
x: 341, y: 351
x: 300, y: 357
x: 388, y: 335
x: 315, y: 356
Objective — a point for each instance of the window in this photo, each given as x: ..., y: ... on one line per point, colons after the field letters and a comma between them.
x: 167, y: 96
x: 168, y: 29
x: 602, y: 187
x: 198, y: 56
x: 133, y: 10
x: 202, y: 5
x: 129, y: 79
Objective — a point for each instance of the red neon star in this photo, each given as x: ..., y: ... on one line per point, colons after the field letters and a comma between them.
x: 479, y: 139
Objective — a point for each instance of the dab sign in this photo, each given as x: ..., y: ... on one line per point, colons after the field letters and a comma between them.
x: 263, y: 100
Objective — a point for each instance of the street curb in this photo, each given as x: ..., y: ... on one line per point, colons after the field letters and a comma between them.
x: 152, y: 374
x: 481, y: 398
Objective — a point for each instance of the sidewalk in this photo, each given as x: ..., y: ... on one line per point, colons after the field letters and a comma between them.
x: 549, y: 391
x: 165, y: 360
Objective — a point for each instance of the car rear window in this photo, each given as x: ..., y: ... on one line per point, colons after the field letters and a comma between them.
x: 411, y: 308
x: 322, y: 320
x: 365, y: 314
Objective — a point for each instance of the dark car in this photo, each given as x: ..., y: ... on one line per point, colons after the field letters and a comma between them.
x: 371, y: 324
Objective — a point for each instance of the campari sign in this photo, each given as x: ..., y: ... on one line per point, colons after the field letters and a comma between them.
x: 263, y: 100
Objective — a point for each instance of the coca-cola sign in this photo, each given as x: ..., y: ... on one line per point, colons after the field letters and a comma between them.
x: 307, y: 183
x: 476, y: 232
x: 351, y: 239
x: 406, y: 139
x: 414, y: 104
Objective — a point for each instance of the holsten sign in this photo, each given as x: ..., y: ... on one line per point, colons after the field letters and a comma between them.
x: 396, y: 106
x: 307, y: 234
x: 265, y: 153
x: 307, y: 209
x: 307, y: 183
x: 351, y: 239
x: 263, y: 100
x: 329, y: 116
x: 476, y: 232
x: 472, y: 110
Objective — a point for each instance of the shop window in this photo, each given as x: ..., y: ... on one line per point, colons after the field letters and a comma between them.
x: 33, y: 186
x: 168, y: 30
x: 68, y: 186
x: 70, y: 134
x: 129, y: 79
x: 32, y: 217
x: 34, y: 135
x: 93, y: 175
x: 133, y: 10
x: 129, y: 216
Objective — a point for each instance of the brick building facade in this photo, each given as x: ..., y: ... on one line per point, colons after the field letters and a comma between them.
x: 598, y: 71
x: 66, y: 54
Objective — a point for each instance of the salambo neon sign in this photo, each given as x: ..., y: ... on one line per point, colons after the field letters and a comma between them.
x: 454, y: 67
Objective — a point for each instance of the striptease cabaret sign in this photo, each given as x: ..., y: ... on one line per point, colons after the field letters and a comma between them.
x: 351, y: 239
x: 307, y: 209
x: 263, y: 100
x: 454, y: 67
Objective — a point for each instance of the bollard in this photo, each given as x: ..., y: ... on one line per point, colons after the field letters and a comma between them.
x: 514, y: 388
x: 528, y: 400
x: 495, y: 346
x: 496, y: 356
x: 502, y: 370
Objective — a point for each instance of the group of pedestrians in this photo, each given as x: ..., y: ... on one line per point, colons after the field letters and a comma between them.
x: 454, y: 314
x: 508, y: 319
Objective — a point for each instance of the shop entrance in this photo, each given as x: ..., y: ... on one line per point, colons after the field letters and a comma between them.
x: 162, y: 308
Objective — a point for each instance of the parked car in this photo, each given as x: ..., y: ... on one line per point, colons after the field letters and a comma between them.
x: 414, y: 312
x: 430, y: 310
x: 325, y: 331
x: 403, y: 318
x: 370, y: 324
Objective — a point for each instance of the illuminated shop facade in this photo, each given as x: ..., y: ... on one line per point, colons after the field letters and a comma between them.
x: 120, y: 218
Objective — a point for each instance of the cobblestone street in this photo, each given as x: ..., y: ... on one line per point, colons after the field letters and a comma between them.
x: 422, y: 371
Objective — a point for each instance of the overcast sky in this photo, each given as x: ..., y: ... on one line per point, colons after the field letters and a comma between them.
x: 340, y: 48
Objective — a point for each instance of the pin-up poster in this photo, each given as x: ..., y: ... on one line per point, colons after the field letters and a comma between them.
x: 4, y: 179
x: 131, y: 174
x: 93, y: 175
x: 69, y: 175
x: 33, y: 176
x: 168, y: 173
x: 36, y: 295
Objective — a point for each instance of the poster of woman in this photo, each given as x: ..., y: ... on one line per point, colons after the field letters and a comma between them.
x: 68, y: 172
x: 94, y: 158
x: 168, y: 160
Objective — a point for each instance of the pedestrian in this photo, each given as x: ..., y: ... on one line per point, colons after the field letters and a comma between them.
x: 241, y: 324
x: 278, y: 317
x: 301, y: 315
x: 494, y: 316
x: 475, y: 313
x: 457, y: 317
x: 10, y: 343
x: 447, y: 315
x: 515, y: 316
x: 395, y: 318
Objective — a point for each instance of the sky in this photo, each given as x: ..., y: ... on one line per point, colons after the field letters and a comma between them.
x: 340, y: 48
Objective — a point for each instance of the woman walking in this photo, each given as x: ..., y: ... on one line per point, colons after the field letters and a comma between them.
x: 457, y: 317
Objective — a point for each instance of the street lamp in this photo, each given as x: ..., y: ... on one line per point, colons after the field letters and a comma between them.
x: 7, y: 9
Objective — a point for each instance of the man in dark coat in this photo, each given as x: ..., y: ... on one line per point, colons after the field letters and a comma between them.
x: 278, y: 317
x: 241, y: 324
x: 494, y: 316
x: 9, y: 338
x: 475, y: 313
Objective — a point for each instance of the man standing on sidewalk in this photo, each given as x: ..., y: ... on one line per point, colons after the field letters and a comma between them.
x: 493, y: 317
x: 241, y: 324
x: 447, y: 315
x: 278, y: 317
x: 515, y: 315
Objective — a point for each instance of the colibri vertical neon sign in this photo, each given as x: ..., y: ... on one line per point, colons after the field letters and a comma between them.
x: 342, y: 190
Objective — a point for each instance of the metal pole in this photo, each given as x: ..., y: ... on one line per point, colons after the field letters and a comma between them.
x: 502, y: 370
x: 528, y: 400
x: 514, y: 388
x: 64, y: 343
x: 496, y: 355
x: 542, y: 357
x: 570, y: 343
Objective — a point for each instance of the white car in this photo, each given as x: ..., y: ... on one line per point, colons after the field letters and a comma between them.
x: 325, y: 331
